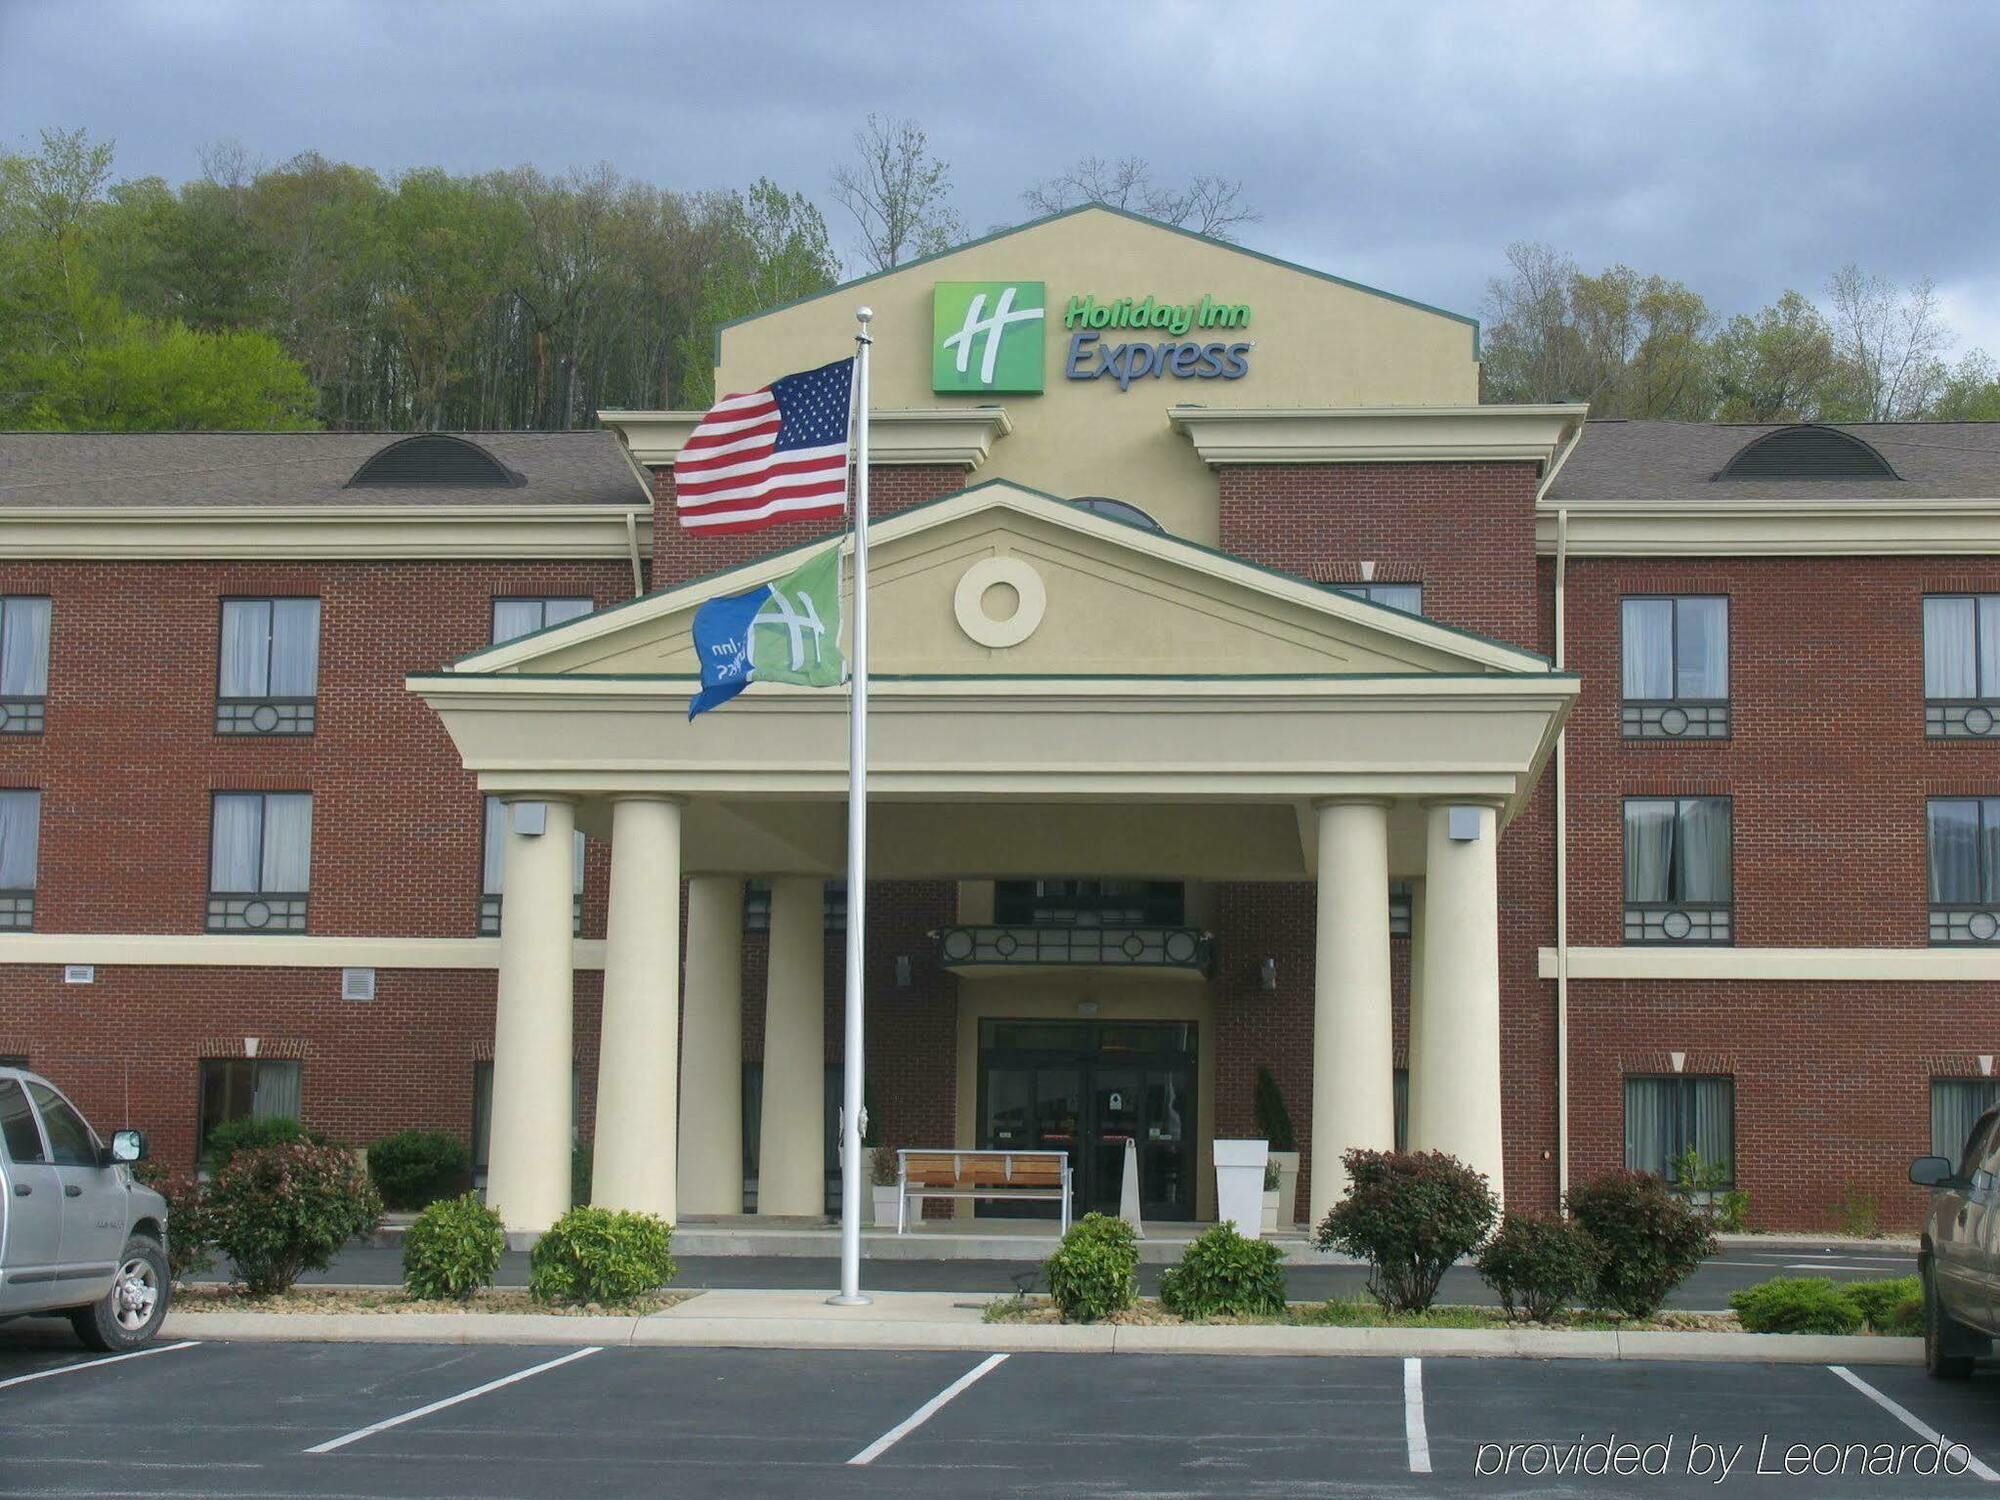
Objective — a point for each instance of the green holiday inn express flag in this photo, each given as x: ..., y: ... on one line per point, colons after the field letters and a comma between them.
x: 786, y: 631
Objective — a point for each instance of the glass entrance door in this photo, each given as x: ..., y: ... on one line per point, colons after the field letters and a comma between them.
x: 1088, y: 1088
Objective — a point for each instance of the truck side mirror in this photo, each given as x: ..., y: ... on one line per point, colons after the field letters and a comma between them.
x: 1931, y: 1171
x: 128, y: 1146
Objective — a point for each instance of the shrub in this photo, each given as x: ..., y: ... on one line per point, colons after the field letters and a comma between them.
x: 1856, y: 1212
x: 453, y: 1249
x: 1648, y: 1240
x: 1410, y: 1215
x: 282, y: 1210
x: 415, y: 1168
x: 1221, y: 1274
x: 1704, y: 1184
x: 1732, y: 1210
x: 232, y: 1137
x: 1095, y: 1270
x: 1796, y: 1304
x: 602, y: 1255
x: 883, y: 1166
x: 1538, y: 1263
x: 190, y: 1230
x: 1892, y: 1306
x: 1274, y: 1121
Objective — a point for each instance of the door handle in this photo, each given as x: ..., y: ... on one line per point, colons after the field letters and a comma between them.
x: 71, y: 1190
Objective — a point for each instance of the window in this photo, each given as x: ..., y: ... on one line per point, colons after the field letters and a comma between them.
x: 1677, y: 870
x: 260, y: 856
x: 482, y: 1116
x: 1089, y: 903
x: 1400, y: 908
x: 1956, y: 1105
x: 830, y: 1101
x: 513, y: 618
x: 246, y: 1088
x: 267, y: 669
x: 20, y: 838
x: 1667, y: 1116
x: 18, y: 1130
x: 1964, y: 868
x: 70, y: 1142
x: 1408, y: 597
x: 1676, y: 679
x: 757, y: 906
x: 495, y: 865
x: 24, y: 664
x: 1961, y: 666
x: 1401, y: 1084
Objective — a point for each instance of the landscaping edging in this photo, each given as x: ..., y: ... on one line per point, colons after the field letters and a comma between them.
x: 856, y: 1331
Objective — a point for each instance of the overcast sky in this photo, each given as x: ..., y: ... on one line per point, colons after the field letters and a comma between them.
x: 1743, y: 147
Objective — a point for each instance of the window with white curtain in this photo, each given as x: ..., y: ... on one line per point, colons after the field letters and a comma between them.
x: 24, y: 663
x: 513, y: 618
x: 1408, y: 597
x: 246, y: 1088
x: 260, y: 861
x: 20, y: 841
x: 1961, y: 665
x: 267, y: 667
x: 494, y: 868
x: 1956, y: 1105
x: 1667, y: 1115
x: 1676, y: 667
x: 1964, y: 839
x: 1678, y: 870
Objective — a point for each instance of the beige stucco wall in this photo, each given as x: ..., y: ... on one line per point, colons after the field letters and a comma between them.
x: 1317, y: 342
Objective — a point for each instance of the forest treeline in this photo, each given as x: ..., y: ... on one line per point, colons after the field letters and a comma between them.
x: 317, y: 293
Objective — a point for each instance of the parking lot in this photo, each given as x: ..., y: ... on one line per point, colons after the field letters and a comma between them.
x: 242, y: 1420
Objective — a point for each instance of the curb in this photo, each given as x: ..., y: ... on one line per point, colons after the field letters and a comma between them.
x: 844, y: 1333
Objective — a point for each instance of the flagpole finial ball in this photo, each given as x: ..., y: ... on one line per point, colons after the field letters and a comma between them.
x: 863, y: 314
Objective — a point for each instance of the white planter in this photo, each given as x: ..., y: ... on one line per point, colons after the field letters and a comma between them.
x: 1270, y: 1209
x: 1288, y: 1187
x: 1239, y: 1185
x: 885, y: 1206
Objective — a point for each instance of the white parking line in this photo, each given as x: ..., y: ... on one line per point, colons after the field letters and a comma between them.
x: 91, y: 1364
x: 1921, y: 1429
x: 1414, y: 1432
x: 423, y: 1411
x: 924, y: 1413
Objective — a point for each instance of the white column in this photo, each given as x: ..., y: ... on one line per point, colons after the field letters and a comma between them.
x: 1456, y: 1106
x: 527, y: 1174
x: 634, y: 1161
x: 711, y: 1138
x: 1353, y: 1102
x: 791, y: 1143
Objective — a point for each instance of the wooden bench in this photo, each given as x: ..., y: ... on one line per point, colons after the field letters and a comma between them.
x: 1041, y: 1176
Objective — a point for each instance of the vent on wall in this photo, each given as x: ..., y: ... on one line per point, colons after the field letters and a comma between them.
x: 357, y: 984
x: 435, y: 460
x: 1807, y: 452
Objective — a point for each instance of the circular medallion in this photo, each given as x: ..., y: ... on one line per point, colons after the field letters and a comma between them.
x: 1982, y: 925
x: 1676, y: 924
x: 1134, y: 945
x: 263, y: 718
x: 957, y: 946
x: 256, y: 914
x: 1004, y: 945
x: 1180, y: 947
x: 975, y: 593
x: 1674, y: 721
x: 1978, y: 720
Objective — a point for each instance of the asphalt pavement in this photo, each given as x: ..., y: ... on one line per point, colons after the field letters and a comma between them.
x: 337, y: 1420
x: 1708, y: 1289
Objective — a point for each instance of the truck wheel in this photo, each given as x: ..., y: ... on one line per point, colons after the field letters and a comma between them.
x: 1944, y: 1338
x: 131, y: 1312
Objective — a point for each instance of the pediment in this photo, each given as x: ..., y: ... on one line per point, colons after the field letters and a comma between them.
x: 1003, y: 582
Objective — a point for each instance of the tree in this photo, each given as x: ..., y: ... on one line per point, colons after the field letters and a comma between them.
x: 1971, y: 393
x: 167, y: 377
x: 1774, y: 366
x: 1891, y: 344
x: 1209, y: 205
x: 898, y: 193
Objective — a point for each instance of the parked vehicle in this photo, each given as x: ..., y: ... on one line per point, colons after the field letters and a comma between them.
x: 1959, y: 1258
x: 77, y: 1235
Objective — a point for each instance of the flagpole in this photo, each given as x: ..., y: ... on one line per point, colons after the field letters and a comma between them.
x: 851, y: 1178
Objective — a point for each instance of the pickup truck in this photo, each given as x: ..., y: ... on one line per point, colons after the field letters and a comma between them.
x: 78, y: 1236
x: 1959, y: 1256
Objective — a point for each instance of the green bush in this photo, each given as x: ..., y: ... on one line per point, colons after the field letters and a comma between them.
x: 1221, y: 1274
x: 1538, y: 1264
x: 415, y: 1168
x: 453, y: 1249
x: 282, y: 1210
x: 1732, y: 1210
x: 1649, y: 1240
x: 190, y: 1232
x: 1857, y: 1212
x: 1892, y: 1306
x: 1274, y: 1121
x: 232, y: 1137
x: 1410, y: 1215
x: 601, y: 1255
x: 1796, y: 1304
x: 1095, y: 1270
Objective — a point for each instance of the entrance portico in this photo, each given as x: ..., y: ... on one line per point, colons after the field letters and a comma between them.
x: 1170, y: 713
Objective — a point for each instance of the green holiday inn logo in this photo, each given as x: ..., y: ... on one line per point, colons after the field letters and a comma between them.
x: 987, y: 335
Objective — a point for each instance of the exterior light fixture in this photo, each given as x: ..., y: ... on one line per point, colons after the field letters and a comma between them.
x: 1267, y: 975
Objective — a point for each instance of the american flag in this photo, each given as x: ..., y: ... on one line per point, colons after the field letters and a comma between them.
x: 769, y: 455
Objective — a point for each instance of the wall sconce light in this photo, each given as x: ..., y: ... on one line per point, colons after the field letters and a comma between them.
x: 903, y: 967
x: 1267, y: 976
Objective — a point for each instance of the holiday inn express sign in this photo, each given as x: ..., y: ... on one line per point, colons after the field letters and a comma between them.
x: 989, y: 337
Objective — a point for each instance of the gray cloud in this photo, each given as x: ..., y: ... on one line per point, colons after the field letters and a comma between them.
x: 1743, y: 148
